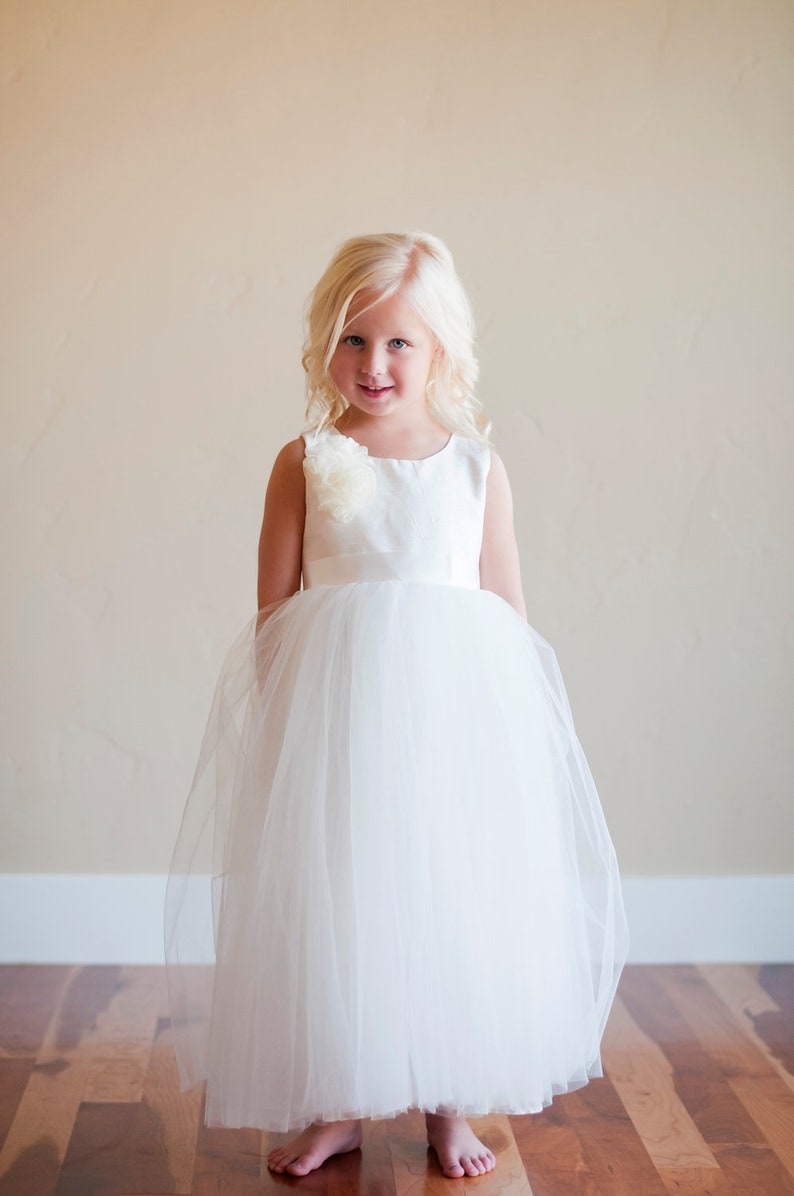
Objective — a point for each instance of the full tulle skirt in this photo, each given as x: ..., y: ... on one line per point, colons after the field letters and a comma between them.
x: 393, y: 886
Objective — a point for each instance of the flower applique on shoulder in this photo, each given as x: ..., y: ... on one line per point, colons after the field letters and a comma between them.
x: 341, y: 473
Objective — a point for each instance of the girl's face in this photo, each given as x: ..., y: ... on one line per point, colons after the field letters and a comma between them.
x: 383, y: 359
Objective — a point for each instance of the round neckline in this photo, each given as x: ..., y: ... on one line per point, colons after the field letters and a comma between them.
x: 399, y: 460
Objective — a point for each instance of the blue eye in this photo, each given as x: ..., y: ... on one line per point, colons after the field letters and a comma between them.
x: 399, y: 343
x: 354, y: 340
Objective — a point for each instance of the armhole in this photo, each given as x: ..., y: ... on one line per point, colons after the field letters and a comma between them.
x: 478, y: 467
x: 477, y: 450
x: 482, y: 454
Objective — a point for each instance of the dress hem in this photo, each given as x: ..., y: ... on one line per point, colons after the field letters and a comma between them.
x: 277, y: 1125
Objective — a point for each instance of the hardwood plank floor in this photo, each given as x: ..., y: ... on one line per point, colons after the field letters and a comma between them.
x: 697, y: 1099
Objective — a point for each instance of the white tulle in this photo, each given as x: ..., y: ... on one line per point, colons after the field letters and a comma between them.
x: 393, y: 886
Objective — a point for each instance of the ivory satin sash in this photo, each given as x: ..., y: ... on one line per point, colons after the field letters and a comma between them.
x: 391, y: 566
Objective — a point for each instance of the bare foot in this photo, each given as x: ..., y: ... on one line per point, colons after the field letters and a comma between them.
x: 459, y: 1150
x: 314, y: 1145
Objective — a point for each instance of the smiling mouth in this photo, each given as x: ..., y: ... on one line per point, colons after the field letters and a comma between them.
x: 374, y: 392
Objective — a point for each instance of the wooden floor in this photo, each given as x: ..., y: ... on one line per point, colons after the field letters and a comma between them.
x: 698, y: 1097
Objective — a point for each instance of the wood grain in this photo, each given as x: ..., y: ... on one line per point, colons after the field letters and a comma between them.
x: 697, y: 1099
x: 754, y: 1010
x: 643, y: 1078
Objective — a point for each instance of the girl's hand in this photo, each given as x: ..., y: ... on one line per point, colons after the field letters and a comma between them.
x: 500, y: 570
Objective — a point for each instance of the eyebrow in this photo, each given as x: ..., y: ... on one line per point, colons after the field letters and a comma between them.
x: 350, y: 330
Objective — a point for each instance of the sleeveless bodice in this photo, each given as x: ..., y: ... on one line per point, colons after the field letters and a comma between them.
x: 383, y: 518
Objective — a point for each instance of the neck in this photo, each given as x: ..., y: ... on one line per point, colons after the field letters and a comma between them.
x: 401, y: 424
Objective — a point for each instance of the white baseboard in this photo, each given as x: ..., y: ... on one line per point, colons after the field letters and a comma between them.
x: 83, y: 919
x: 710, y: 919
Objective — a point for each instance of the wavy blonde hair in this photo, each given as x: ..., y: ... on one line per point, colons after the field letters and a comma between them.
x: 421, y: 267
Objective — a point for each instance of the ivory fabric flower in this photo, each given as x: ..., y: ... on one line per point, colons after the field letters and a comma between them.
x: 342, y: 474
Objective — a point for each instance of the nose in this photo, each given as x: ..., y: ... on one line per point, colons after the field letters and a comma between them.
x: 372, y: 362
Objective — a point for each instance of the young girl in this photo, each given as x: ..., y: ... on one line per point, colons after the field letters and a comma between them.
x: 415, y: 901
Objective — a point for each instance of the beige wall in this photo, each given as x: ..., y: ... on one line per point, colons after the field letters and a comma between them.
x: 615, y: 181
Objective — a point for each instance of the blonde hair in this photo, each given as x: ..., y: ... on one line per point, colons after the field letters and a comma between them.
x: 421, y: 267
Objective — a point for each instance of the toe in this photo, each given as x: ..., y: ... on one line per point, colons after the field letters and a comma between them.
x: 452, y: 1167
x: 285, y: 1161
x: 300, y: 1165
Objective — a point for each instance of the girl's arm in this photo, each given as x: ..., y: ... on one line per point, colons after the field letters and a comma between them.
x: 500, y: 570
x: 281, y: 538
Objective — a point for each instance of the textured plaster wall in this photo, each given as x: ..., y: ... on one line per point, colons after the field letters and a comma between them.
x: 615, y: 180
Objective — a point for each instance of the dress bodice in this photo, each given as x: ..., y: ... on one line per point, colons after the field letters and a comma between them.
x: 384, y: 518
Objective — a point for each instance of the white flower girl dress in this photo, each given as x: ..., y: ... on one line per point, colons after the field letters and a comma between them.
x: 393, y: 885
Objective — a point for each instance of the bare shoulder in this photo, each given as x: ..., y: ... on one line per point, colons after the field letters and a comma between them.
x: 287, y: 472
x: 290, y: 457
x: 498, y: 483
x: 497, y: 466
